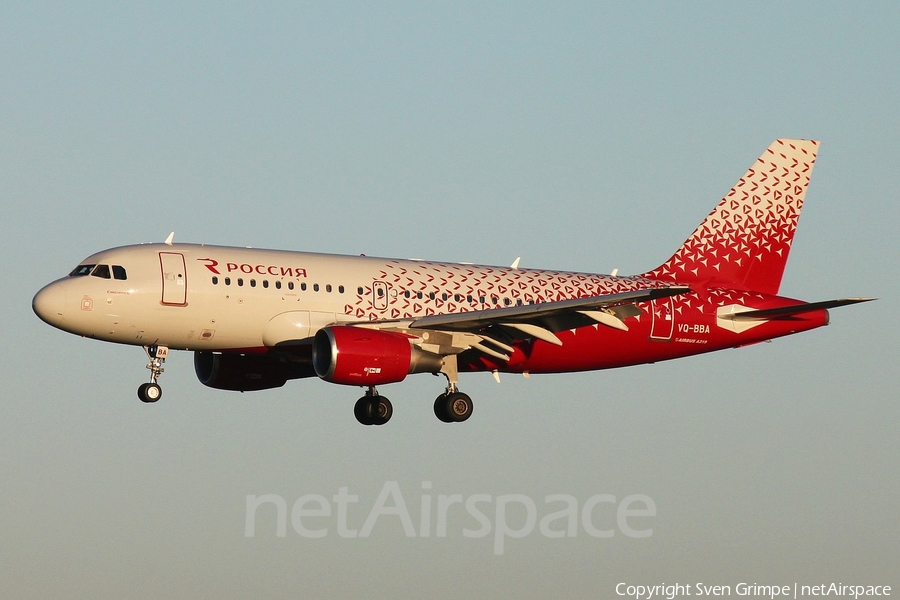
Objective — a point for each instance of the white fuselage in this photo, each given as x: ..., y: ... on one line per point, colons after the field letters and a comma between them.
x: 198, y: 297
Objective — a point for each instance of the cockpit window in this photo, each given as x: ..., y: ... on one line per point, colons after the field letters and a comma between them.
x: 119, y: 272
x: 101, y: 271
x: 81, y: 271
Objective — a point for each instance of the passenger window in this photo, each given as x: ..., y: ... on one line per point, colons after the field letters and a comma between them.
x: 240, y: 281
x: 340, y: 289
x: 291, y: 285
x: 265, y: 283
x: 328, y: 287
x: 302, y: 287
x: 228, y: 281
x: 119, y: 272
x: 431, y: 296
x: 406, y: 294
x: 81, y: 270
x: 315, y: 287
x: 359, y: 291
x: 418, y: 295
x: 215, y: 280
x: 252, y: 283
x: 101, y: 271
x: 277, y: 285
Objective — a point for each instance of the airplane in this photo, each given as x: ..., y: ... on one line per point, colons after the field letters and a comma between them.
x: 257, y: 318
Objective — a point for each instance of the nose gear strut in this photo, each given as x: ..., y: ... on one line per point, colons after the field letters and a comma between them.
x: 151, y: 392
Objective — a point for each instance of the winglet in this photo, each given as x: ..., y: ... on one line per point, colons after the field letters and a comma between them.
x: 170, y: 238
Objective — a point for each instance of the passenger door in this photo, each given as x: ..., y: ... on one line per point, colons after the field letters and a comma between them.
x: 174, y: 278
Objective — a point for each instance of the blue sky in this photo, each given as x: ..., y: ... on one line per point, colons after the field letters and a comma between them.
x: 583, y: 136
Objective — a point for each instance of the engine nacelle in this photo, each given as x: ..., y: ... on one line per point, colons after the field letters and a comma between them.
x: 360, y: 356
x: 246, y: 372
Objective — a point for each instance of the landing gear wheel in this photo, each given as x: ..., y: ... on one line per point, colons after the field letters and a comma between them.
x: 149, y: 392
x: 381, y: 410
x: 362, y: 411
x: 454, y: 407
x: 440, y: 409
x: 373, y: 410
x: 459, y: 407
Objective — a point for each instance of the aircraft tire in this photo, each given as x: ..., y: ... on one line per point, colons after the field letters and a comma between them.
x: 149, y: 392
x: 362, y: 411
x: 381, y: 410
x: 459, y: 407
x: 440, y: 409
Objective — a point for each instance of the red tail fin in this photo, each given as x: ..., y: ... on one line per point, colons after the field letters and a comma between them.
x: 745, y: 240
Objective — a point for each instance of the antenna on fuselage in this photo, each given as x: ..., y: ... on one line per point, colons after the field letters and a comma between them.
x: 170, y: 238
x: 515, y: 264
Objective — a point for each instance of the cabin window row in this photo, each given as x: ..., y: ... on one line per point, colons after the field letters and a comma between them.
x: 494, y: 300
x: 278, y: 284
x: 471, y: 299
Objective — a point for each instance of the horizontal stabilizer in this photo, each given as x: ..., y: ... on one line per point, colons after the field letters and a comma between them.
x: 796, y: 309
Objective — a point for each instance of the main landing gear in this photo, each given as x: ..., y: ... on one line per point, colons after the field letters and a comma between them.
x: 151, y: 392
x: 452, y: 406
x: 373, y: 409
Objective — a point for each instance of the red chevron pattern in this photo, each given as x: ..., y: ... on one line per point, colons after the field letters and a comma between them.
x: 745, y: 240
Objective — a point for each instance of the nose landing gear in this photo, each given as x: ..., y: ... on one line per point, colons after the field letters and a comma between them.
x: 151, y: 392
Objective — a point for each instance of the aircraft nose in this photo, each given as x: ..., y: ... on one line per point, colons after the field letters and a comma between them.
x: 49, y: 304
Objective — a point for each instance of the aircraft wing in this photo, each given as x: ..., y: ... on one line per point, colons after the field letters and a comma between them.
x: 553, y: 316
x: 499, y: 327
x: 494, y: 330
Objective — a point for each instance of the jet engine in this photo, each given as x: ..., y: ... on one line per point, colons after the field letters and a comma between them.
x: 246, y: 372
x: 368, y: 357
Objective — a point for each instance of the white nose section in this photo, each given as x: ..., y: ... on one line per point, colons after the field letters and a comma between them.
x: 49, y: 304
